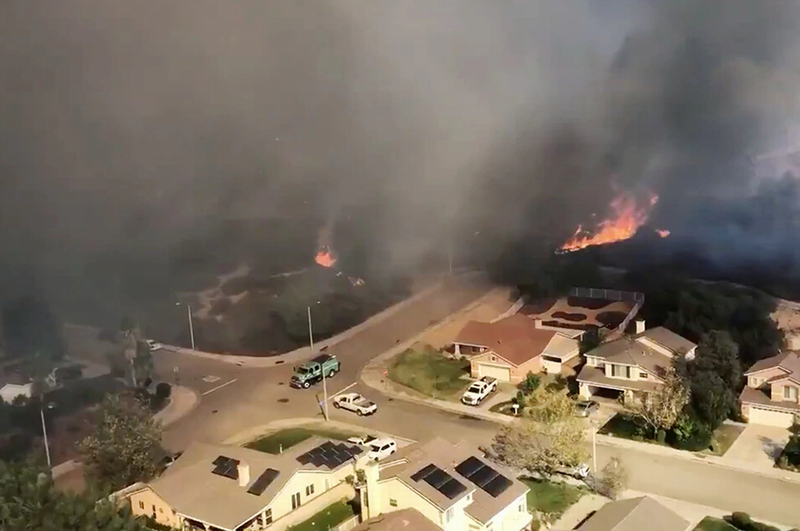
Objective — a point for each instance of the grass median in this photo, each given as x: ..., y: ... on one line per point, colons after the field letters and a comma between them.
x: 425, y: 370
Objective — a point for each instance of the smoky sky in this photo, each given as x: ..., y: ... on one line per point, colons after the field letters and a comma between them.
x: 147, y: 121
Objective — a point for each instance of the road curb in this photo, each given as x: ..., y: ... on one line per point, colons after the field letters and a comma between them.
x: 167, y: 410
x: 263, y: 430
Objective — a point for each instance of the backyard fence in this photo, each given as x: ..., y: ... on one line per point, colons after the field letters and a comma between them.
x: 349, y: 524
x: 607, y: 294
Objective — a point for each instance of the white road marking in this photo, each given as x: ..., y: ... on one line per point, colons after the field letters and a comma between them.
x: 217, y: 388
x: 211, y: 379
x: 340, y: 391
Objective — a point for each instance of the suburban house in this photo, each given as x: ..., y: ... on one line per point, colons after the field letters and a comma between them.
x: 402, y: 520
x: 512, y: 347
x: 632, y: 365
x: 770, y: 395
x: 230, y: 488
x: 12, y: 386
x: 634, y: 514
x: 451, y: 485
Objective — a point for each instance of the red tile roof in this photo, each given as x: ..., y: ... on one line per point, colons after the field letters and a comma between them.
x: 515, y: 338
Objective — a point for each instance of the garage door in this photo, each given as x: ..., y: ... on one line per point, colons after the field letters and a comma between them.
x: 501, y: 373
x: 771, y: 418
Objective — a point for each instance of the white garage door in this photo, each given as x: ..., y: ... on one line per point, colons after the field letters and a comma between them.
x: 771, y: 418
x: 501, y: 373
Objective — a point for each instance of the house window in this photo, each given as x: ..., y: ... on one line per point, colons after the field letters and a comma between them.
x: 268, y: 517
x: 620, y: 371
x: 789, y: 392
x: 522, y: 507
x: 295, y: 500
x: 141, y: 505
x: 161, y: 510
x: 392, y: 502
x: 493, y: 358
x: 154, y: 509
x: 310, y: 490
x: 448, y: 515
x: 643, y: 375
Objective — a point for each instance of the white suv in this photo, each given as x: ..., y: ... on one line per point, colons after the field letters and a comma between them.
x: 380, y: 448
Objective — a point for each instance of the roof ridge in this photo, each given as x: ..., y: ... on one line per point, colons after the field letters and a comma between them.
x: 639, y: 501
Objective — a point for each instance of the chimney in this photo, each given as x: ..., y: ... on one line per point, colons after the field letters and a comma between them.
x: 639, y: 326
x: 244, y: 473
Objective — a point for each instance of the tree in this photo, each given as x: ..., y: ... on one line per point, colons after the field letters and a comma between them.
x: 590, y: 340
x: 660, y: 409
x: 612, y: 480
x: 548, y: 438
x: 125, y: 446
x: 713, y: 378
x: 30, y: 501
x: 529, y: 384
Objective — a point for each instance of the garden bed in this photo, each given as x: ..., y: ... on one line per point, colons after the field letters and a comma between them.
x: 610, y: 319
x: 281, y: 440
x: 573, y: 317
x: 428, y: 372
x: 628, y: 427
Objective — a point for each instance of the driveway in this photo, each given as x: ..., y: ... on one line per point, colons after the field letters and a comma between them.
x: 757, y: 447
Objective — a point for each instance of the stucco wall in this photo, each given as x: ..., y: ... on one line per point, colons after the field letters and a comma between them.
x: 406, y: 498
x: 310, y: 507
x: 282, y: 502
x: 148, y: 503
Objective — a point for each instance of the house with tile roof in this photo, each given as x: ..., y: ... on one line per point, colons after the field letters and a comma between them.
x: 632, y: 365
x: 452, y: 485
x: 771, y: 395
x: 512, y: 347
x: 230, y: 488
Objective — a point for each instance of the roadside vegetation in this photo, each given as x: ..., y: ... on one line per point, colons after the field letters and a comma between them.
x: 429, y: 372
x: 790, y: 457
x: 279, y: 441
x: 550, y: 498
x: 710, y: 523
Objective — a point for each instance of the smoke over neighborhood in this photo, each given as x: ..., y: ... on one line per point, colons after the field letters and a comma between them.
x: 130, y: 128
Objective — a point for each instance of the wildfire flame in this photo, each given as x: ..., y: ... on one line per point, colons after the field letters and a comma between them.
x: 626, y: 219
x: 325, y: 257
x: 662, y: 232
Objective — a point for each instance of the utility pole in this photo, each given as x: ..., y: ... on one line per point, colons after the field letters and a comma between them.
x: 594, y: 451
x: 321, y: 368
x: 44, y: 432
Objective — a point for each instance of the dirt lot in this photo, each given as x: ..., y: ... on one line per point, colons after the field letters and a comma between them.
x: 580, y: 313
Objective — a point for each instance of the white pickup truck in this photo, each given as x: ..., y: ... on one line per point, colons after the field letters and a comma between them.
x: 355, y: 402
x: 479, y: 390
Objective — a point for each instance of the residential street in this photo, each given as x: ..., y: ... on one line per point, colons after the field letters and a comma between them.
x: 235, y: 398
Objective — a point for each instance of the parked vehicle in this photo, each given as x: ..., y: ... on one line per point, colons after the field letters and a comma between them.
x: 478, y: 391
x: 380, y: 448
x: 311, y: 372
x: 581, y: 471
x: 153, y: 345
x: 356, y: 403
x: 365, y: 440
x: 586, y: 408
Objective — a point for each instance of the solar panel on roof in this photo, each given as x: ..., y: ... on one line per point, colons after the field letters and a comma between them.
x: 452, y: 489
x: 264, y: 480
x: 227, y: 467
x: 329, y: 454
x: 497, y: 486
x: 483, y: 476
x: 437, y: 478
x: 469, y: 466
x: 421, y: 473
x: 219, y: 460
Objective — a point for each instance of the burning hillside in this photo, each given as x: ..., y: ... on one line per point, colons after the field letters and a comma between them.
x: 628, y: 215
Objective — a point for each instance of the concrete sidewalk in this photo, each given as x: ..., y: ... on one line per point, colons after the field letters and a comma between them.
x: 182, y: 401
x: 302, y: 354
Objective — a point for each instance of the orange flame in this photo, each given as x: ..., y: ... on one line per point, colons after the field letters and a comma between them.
x: 662, y: 232
x: 325, y: 257
x: 627, y: 217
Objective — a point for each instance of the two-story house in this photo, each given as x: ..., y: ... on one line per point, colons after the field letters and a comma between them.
x: 632, y: 365
x: 512, y: 347
x: 451, y: 485
x: 230, y: 488
x: 771, y: 392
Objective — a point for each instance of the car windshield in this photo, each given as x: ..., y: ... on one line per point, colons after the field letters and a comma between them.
x: 475, y: 388
x: 375, y: 448
x: 303, y: 370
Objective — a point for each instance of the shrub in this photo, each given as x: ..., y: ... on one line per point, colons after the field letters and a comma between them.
x: 740, y: 520
x: 529, y: 384
x: 661, y: 436
x: 612, y: 480
x: 163, y: 390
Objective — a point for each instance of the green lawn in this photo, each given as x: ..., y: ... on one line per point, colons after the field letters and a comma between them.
x: 724, y: 437
x: 624, y: 427
x: 283, y: 439
x: 430, y: 373
x: 714, y: 524
x: 549, y: 497
x: 327, y: 518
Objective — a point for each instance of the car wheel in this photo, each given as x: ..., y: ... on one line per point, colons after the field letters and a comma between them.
x: 494, y: 388
x: 360, y: 413
x: 306, y: 384
x: 330, y: 374
x: 336, y: 405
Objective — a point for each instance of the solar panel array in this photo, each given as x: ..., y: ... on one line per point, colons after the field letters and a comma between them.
x: 264, y: 480
x: 484, y: 476
x: 226, y: 466
x: 329, y: 455
x: 440, y: 480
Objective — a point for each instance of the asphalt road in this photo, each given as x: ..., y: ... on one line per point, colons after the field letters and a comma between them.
x: 239, y: 398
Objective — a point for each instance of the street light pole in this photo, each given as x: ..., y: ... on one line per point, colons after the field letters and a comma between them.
x: 594, y: 449
x: 321, y: 368
x: 191, y: 326
x: 44, y: 432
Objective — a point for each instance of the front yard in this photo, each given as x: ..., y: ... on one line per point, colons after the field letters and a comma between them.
x: 327, y: 518
x: 275, y: 443
x: 550, y: 497
x: 430, y: 373
x: 626, y: 426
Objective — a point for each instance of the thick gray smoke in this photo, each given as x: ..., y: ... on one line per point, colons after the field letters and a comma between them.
x: 141, y: 123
